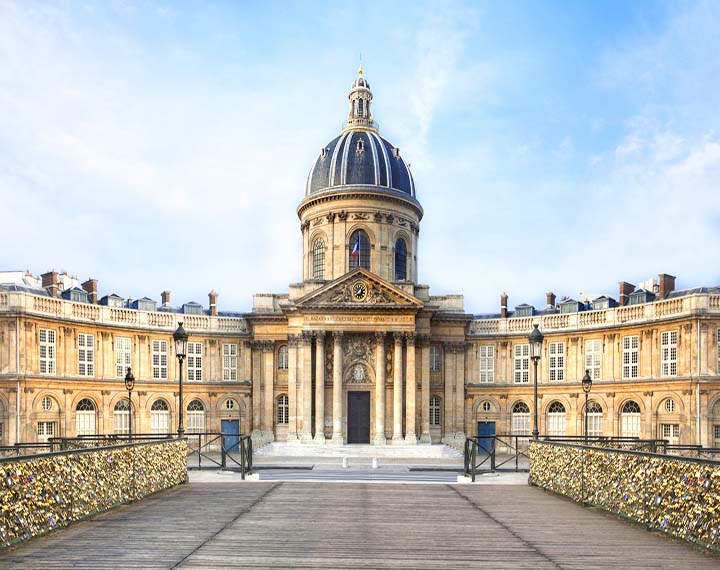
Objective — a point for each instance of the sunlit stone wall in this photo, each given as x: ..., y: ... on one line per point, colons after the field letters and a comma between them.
x: 679, y: 496
x: 41, y: 493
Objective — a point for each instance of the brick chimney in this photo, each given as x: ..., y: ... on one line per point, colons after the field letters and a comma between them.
x: 91, y: 288
x: 550, y: 296
x: 625, y: 290
x: 213, y: 297
x: 667, y: 285
x: 165, y: 297
x: 503, y: 305
x: 50, y: 282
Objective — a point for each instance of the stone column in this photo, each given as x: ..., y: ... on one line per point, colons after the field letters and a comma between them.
x: 293, y: 342
x: 268, y: 414
x: 320, y: 387
x: 397, y: 390
x: 337, y: 437
x: 424, y: 344
x: 306, y: 431
x: 256, y: 375
x: 460, y: 391
x: 410, y: 391
x: 449, y: 407
x: 380, y: 389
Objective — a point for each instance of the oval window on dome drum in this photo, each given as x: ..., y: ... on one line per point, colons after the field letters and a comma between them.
x: 400, y: 260
x: 359, y: 250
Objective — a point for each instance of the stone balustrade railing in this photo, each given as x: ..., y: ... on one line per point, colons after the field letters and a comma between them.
x: 83, y: 312
x: 670, y: 308
x: 678, y: 496
x: 51, y: 490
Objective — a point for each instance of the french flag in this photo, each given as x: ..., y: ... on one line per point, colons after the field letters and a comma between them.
x: 355, y: 253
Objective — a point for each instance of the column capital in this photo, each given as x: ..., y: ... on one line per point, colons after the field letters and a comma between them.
x: 338, y: 335
x: 306, y: 336
x: 293, y: 340
x: 380, y: 336
x: 262, y: 345
x: 455, y: 347
x: 398, y: 336
x: 422, y: 340
x: 410, y: 337
x: 320, y: 335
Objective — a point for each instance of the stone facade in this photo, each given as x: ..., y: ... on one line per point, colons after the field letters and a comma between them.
x: 359, y: 322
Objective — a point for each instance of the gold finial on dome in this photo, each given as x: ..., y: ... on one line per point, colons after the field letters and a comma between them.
x: 360, y: 70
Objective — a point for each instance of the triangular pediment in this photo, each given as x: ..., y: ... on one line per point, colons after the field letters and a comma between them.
x: 359, y: 289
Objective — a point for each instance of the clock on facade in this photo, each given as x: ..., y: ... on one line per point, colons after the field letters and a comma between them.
x: 359, y: 291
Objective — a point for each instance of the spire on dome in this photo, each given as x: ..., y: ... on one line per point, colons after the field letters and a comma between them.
x: 360, y: 98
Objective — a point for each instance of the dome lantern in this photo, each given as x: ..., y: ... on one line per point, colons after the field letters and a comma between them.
x: 360, y: 98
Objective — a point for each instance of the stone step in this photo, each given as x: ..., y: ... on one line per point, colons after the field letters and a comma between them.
x: 284, y: 449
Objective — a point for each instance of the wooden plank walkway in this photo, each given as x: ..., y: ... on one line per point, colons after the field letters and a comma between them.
x: 355, y: 525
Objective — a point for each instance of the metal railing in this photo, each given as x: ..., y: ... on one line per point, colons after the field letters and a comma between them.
x: 495, y: 453
x: 206, y: 446
x: 23, y: 449
x: 630, y: 443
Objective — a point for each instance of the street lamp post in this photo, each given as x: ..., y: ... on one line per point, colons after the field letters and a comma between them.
x: 586, y: 385
x: 180, y: 336
x: 535, y: 340
x: 129, y: 385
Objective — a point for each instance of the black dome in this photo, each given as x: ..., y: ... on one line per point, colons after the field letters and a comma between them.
x: 360, y: 157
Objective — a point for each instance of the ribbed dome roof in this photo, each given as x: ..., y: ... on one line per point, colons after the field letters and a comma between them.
x: 360, y: 157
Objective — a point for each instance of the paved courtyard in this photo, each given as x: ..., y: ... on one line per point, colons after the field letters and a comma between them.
x: 286, y: 524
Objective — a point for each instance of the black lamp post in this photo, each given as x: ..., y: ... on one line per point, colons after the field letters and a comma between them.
x: 587, y: 385
x: 536, y: 340
x: 180, y: 336
x: 129, y: 385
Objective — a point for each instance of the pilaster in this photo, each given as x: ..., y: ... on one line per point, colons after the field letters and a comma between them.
x: 423, y: 343
x: 397, y: 389
x: 337, y: 437
x: 306, y: 429
x: 320, y: 387
x: 379, y: 438
x: 410, y: 391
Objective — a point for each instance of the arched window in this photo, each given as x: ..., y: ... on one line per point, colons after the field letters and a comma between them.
x: 630, y: 419
x: 85, y: 417
x: 283, y: 357
x: 319, y: 259
x: 556, y: 419
x: 159, y: 417
x: 486, y: 406
x: 121, y: 417
x: 359, y: 250
x: 400, y: 260
x: 195, y: 417
x: 594, y: 419
x: 230, y: 404
x: 669, y: 406
x: 282, y: 409
x: 521, y: 419
x: 435, y: 411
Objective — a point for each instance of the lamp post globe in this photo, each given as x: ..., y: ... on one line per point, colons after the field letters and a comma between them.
x: 129, y: 386
x: 180, y: 336
x: 535, y: 340
x: 586, y: 386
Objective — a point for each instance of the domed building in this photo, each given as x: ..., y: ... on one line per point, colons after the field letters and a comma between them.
x: 359, y: 351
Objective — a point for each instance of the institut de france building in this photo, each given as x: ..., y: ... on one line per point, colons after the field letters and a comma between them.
x: 358, y: 351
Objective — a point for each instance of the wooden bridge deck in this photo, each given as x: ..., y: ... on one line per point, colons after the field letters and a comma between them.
x: 355, y: 525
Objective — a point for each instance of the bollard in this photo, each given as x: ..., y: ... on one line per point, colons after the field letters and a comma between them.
x: 345, y: 463
x: 374, y: 463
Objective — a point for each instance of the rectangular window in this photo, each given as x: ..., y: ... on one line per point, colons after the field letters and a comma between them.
x: 159, y: 359
x: 716, y: 436
x: 86, y: 354
x: 123, y: 356
x: 593, y: 358
x: 45, y: 430
x: 668, y: 353
x: 229, y: 354
x: 47, y: 351
x: 487, y: 364
x: 671, y: 432
x: 435, y: 359
x: 194, y: 361
x: 557, y: 361
x: 522, y: 363
x: 630, y: 357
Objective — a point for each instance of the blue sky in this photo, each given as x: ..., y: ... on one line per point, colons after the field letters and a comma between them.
x: 554, y: 145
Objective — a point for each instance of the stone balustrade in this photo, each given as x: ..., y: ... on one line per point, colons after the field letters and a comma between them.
x: 670, y: 308
x: 43, y: 492
x: 678, y: 496
x: 20, y: 301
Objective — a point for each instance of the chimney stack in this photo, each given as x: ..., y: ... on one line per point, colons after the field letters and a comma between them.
x: 213, y: 296
x: 50, y: 282
x: 165, y: 296
x: 550, y: 296
x: 625, y: 290
x: 91, y: 287
x: 503, y: 305
x: 667, y: 285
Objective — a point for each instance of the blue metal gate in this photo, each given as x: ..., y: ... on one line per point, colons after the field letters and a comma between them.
x: 230, y: 429
x: 485, y: 431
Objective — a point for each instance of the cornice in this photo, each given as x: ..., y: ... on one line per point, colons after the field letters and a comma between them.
x: 360, y: 193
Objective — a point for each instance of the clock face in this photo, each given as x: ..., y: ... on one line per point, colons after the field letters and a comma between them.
x: 359, y: 291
